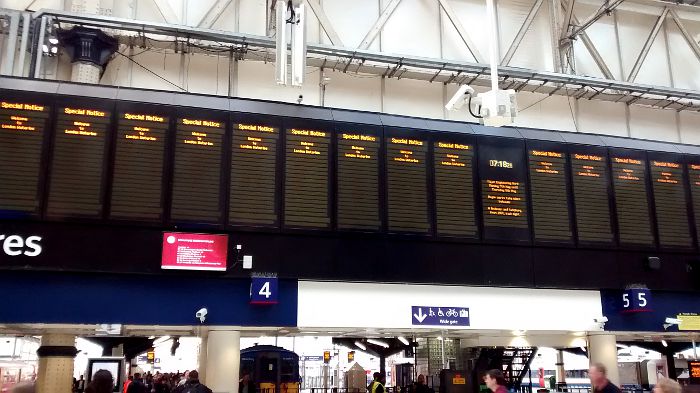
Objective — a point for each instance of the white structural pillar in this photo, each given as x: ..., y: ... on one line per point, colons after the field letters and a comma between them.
x: 203, y: 356
x: 602, y: 348
x: 56, y: 356
x: 222, y: 360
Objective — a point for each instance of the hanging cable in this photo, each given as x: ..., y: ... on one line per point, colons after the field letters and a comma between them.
x: 469, y: 105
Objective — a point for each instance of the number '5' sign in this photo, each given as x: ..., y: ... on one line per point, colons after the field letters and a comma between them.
x: 263, y: 290
x: 636, y: 300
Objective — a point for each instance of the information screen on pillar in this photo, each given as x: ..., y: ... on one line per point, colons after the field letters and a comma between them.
x: 549, y: 193
x: 253, y: 189
x: 669, y: 190
x: 407, y: 183
x: 77, y: 168
x: 307, y: 180
x: 503, y: 174
x: 631, y: 199
x: 22, y: 130
x: 197, y: 172
x: 137, y: 183
x: 590, y: 177
x: 358, y: 179
x: 694, y: 181
x: 454, y: 189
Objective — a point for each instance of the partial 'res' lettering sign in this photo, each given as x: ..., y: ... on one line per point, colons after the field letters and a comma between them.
x: 15, y: 245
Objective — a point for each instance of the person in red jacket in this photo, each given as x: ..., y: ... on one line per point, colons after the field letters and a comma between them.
x: 127, y: 382
x: 495, y: 381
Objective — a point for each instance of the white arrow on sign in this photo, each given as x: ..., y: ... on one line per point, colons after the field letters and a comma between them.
x: 420, y: 317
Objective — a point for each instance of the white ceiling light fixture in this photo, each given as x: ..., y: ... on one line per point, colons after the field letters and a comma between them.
x: 403, y: 340
x: 378, y: 342
x: 664, y: 343
x: 360, y: 345
x: 161, y: 340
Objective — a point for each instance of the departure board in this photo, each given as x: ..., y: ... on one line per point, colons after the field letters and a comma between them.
x: 503, y: 190
x: 306, y: 198
x: 137, y: 184
x: 590, y: 176
x: 22, y: 128
x: 694, y: 177
x: 77, y: 167
x: 454, y: 189
x: 407, y: 185
x: 549, y: 195
x: 197, y: 170
x: 358, y: 180
x: 253, y: 188
x: 631, y: 201
x: 670, y: 202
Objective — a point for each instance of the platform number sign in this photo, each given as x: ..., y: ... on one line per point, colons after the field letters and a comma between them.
x: 636, y: 300
x: 263, y: 290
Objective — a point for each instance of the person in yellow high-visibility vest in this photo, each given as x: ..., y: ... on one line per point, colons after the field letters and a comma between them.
x: 378, y: 384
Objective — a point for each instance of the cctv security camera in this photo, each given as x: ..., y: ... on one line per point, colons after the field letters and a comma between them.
x: 673, y: 321
x: 201, y: 314
x: 600, y: 320
x: 300, y: 98
x: 458, y: 99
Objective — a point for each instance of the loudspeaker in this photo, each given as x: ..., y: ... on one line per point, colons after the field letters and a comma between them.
x: 654, y: 263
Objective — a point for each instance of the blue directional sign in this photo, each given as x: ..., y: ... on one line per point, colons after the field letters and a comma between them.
x: 439, y: 316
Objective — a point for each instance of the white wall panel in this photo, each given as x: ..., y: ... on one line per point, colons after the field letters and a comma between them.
x: 690, y: 127
x: 257, y: 80
x: 684, y: 65
x: 353, y: 91
x: 472, y: 16
x: 634, y: 28
x: 413, y: 98
x: 552, y: 113
x: 655, y: 124
x: 535, y: 50
x: 207, y: 74
x: 35, y: 5
x: 352, y: 20
x: 167, y: 65
x: 253, y: 17
x: 600, y: 117
x: 313, y: 28
x: 413, y: 29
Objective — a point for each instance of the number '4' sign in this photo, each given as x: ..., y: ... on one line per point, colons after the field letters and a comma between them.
x: 636, y: 300
x: 263, y: 290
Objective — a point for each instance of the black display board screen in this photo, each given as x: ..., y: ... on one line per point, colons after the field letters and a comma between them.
x: 549, y: 193
x: 407, y: 182
x: 22, y: 130
x: 137, y: 182
x: 454, y: 188
x: 358, y: 178
x: 307, y: 178
x: 503, y: 173
x: 253, y: 190
x: 77, y: 167
x: 693, y: 165
x: 590, y: 177
x: 629, y: 170
x: 669, y: 187
x: 197, y: 176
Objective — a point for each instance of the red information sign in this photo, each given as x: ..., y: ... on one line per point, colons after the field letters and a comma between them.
x: 192, y: 251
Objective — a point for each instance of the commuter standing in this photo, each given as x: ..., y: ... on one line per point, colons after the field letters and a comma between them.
x: 378, y: 386
x: 420, y: 387
x: 192, y: 385
x: 81, y: 384
x: 599, y: 379
x: 375, y: 378
x: 667, y: 385
x: 495, y: 381
x: 244, y: 385
x: 127, y: 383
x: 137, y: 385
x: 102, y: 382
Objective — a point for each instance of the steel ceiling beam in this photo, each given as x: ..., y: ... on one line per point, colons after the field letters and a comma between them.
x: 647, y: 46
x: 593, y: 18
x: 688, y: 37
x: 369, y: 61
x: 568, y: 15
x: 214, y: 13
x: 599, y: 61
x: 379, y: 24
x: 521, y: 32
x: 452, y: 15
x: 326, y: 24
x: 166, y: 11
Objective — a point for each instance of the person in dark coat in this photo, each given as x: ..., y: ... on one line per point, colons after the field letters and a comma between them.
x: 192, y: 385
